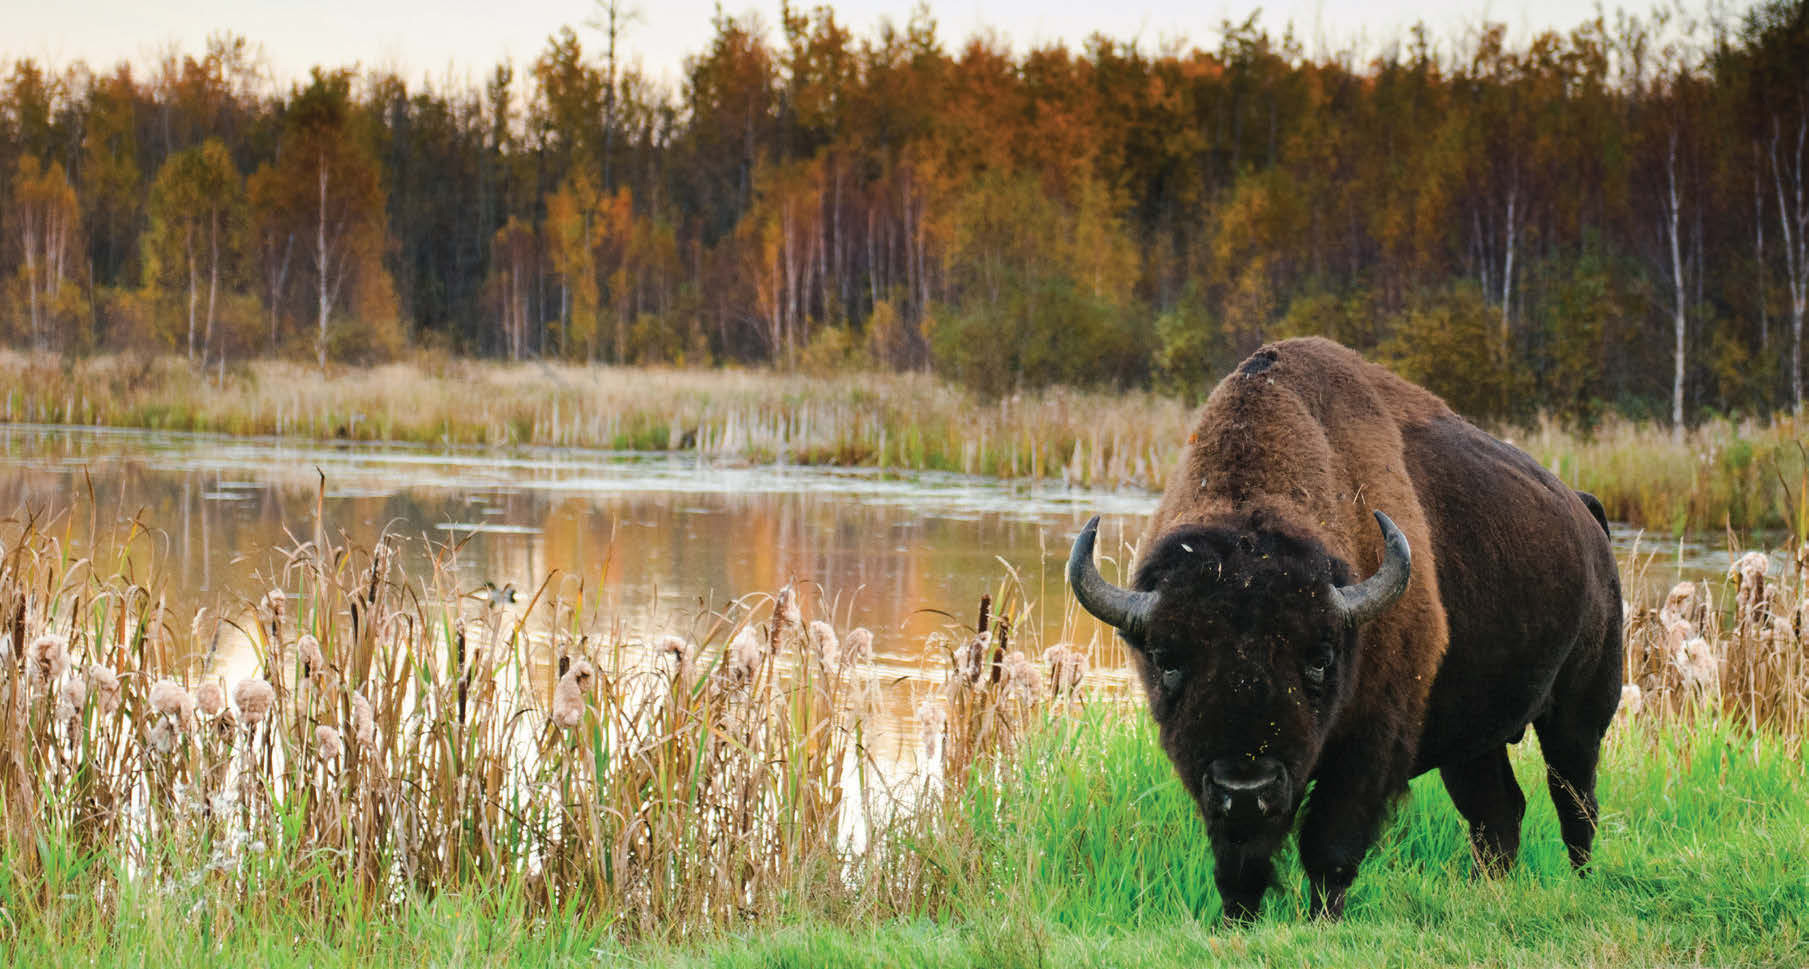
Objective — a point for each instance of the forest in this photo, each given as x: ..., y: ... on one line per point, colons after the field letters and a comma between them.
x: 1609, y: 219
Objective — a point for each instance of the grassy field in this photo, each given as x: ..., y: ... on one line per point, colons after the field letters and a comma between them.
x: 401, y: 781
x: 1747, y: 475
x: 1085, y: 852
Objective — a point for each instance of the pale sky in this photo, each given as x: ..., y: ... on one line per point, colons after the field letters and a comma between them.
x: 462, y: 40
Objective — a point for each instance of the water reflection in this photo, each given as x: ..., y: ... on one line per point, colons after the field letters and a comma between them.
x: 658, y: 542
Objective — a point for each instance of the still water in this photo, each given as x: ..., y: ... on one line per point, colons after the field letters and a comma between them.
x: 658, y: 541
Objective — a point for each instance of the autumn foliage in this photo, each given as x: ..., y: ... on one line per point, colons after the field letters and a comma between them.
x: 1607, y: 218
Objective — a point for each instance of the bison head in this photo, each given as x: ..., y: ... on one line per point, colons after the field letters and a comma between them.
x: 1246, y: 637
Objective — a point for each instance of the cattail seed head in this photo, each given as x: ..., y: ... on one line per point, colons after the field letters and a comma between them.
x: 272, y: 605
x: 47, y: 658
x: 786, y: 609
x: 857, y: 649
x: 1680, y: 604
x: 1022, y: 681
x: 211, y: 698
x: 171, y: 700
x: 825, y: 644
x: 568, y: 695
x: 327, y: 743
x: 313, y: 661
x: 162, y: 735
x: 1632, y: 700
x: 103, y: 683
x: 747, y: 651
x: 254, y: 697
x: 677, y: 649
x: 364, y: 723
x: 71, y: 697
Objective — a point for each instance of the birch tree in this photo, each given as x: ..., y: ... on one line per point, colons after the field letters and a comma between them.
x: 1787, y: 175
x: 195, y: 203
x: 48, y: 222
x: 324, y: 154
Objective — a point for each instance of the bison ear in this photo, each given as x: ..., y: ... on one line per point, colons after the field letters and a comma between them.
x: 1368, y: 599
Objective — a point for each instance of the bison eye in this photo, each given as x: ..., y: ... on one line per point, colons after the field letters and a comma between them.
x: 1171, y: 680
x: 1167, y: 670
x: 1319, y: 665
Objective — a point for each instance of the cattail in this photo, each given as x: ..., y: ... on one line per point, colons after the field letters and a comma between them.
x: 678, y: 650
x: 1067, y: 666
x: 932, y: 731
x: 1680, y: 604
x: 1696, y: 661
x: 162, y: 735
x: 71, y: 697
x: 103, y: 683
x: 1021, y: 679
x: 172, y: 701
x: 1750, y: 599
x: 568, y: 695
x: 313, y: 661
x: 364, y: 723
x: 272, y: 607
x: 327, y: 743
x: 254, y: 697
x: 1632, y: 701
x: 825, y: 645
x: 970, y: 659
x: 211, y: 698
x: 746, y: 654
x: 857, y: 649
x: 786, y: 609
x: 47, y: 658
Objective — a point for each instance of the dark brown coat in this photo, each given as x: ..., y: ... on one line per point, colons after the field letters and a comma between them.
x: 1511, y: 617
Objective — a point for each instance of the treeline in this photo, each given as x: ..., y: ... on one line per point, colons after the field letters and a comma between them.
x: 1610, y: 217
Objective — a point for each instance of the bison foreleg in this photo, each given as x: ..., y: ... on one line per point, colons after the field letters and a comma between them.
x: 1242, y: 877
x: 1342, y: 817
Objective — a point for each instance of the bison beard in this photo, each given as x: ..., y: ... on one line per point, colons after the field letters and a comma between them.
x: 1492, y: 603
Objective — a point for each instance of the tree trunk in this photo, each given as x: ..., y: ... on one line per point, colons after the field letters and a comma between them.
x: 1677, y: 305
x: 188, y: 252
x: 320, y: 250
x: 213, y: 279
x: 1793, y: 220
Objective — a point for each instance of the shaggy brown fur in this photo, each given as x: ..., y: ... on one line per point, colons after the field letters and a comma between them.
x: 1511, y: 618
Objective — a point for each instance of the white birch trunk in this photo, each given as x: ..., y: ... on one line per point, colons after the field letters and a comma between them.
x: 322, y: 284
x: 1677, y: 313
x: 1793, y: 221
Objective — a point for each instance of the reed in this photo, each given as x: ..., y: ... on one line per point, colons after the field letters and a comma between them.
x: 394, y: 741
x: 1744, y: 474
x: 396, y: 744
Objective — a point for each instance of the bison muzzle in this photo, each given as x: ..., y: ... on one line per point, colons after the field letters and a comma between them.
x: 1346, y: 585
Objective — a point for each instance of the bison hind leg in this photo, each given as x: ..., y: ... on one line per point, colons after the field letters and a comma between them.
x: 1571, y: 751
x: 1489, y: 798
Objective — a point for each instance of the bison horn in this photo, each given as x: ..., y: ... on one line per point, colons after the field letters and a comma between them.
x: 1122, y: 609
x: 1364, y: 601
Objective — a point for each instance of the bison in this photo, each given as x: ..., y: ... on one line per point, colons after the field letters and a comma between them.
x: 1491, y: 602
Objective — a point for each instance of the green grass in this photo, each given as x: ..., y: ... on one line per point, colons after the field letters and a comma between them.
x: 1085, y: 852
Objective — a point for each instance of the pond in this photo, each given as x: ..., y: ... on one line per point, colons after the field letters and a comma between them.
x: 662, y: 539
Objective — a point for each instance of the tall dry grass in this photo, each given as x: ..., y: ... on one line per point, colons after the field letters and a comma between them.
x: 1745, y: 474
x: 910, y: 421
x: 397, y: 740
x: 1738, y: 648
